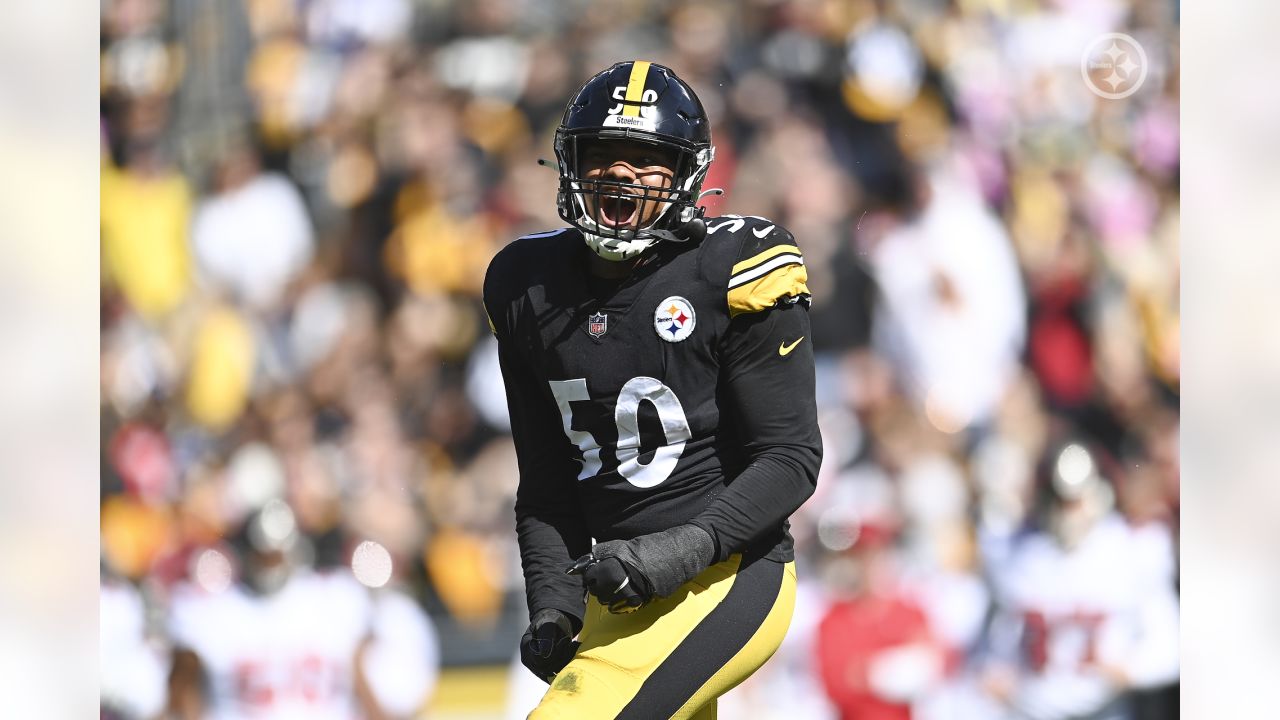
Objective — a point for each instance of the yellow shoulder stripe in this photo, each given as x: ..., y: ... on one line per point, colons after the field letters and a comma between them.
x: 635, y: 88
x: 765, y: 292
x: 762, y: 257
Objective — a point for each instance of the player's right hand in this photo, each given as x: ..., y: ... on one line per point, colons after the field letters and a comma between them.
x: 624, y: 575
x: 548, y: 644
x: 611, y: 583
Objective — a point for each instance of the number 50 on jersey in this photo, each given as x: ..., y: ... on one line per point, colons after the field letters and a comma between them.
x: 675, y: 428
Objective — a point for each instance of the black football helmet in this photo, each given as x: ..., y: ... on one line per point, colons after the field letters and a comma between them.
x: 641, y: 102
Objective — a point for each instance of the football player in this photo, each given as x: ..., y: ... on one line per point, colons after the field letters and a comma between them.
x: 660, y: 380
x: 1085, y: 605
x: 288, y: 641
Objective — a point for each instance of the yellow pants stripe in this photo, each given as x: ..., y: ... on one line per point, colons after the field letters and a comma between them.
x: 675, y: 656
x: 755, y: 653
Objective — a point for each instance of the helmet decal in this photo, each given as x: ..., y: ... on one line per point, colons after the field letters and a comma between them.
x: 635, y: 109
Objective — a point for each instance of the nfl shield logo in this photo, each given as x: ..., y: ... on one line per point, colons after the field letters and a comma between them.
x: 597, y: 324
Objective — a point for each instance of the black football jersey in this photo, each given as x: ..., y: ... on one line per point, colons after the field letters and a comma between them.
x: 682, y: 393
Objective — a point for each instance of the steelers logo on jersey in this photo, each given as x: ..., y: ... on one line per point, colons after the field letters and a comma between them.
x: 674, y: 319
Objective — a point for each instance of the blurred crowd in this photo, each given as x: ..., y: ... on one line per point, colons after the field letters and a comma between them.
x: 299, y: 199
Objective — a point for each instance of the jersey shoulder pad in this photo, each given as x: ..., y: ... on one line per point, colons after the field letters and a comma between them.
x: 513, y: 269
x: 767, y: 268
x: 518, y: 260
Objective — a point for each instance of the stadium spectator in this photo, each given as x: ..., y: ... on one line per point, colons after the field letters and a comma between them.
x: 246, y: 632
x: 253, y: 237
x: 1085, y: 605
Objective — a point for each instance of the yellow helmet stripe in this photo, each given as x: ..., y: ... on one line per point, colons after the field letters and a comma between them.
x: 635, y: 88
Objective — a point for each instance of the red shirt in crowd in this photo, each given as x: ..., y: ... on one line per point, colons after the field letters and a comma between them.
x: 850, y: 636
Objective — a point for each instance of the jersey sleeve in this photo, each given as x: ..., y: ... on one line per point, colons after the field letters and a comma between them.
x: 767, y: 390
x: 769, y: 270
x: 550, y: 526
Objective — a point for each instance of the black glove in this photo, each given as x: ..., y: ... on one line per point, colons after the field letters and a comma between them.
x: 548, y: 644
x: 624, y: 575
x: 609, y: 581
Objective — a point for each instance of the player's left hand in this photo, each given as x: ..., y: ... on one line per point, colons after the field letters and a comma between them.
x: 625, y: 574
x: 548, y: 644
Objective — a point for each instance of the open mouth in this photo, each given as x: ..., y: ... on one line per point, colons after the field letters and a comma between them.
x: 618, y: 211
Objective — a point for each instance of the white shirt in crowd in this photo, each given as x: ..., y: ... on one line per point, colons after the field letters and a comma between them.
x: 133, y: 674
x: 959, y: 351
x: 1067, y: 615
x: 291, y: 654
x: 254, y: 239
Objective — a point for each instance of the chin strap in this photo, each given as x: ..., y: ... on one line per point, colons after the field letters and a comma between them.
x: 691, y: 231
x: 695, y: 228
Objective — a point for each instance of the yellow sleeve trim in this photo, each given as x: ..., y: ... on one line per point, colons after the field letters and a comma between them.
x: 765, y: 292
x: 763, y: 257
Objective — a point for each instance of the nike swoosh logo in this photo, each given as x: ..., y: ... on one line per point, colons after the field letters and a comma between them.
x: 784, y: 349
x: 761, y: 232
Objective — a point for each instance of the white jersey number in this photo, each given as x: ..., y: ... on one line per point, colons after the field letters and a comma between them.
x: 675, y: 428
x: 734, y: 223
x: 566, y: 391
